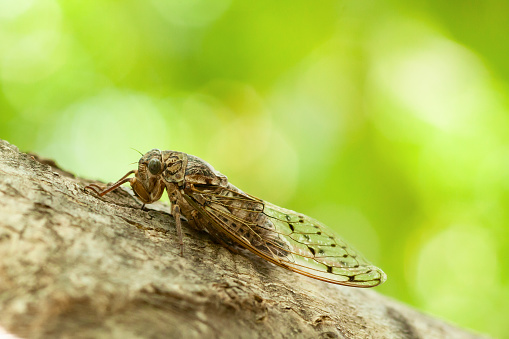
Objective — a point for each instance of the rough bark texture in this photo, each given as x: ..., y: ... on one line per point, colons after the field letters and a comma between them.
x: 75, y: 265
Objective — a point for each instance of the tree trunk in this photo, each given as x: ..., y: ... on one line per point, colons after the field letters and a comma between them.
x: 76, y: 265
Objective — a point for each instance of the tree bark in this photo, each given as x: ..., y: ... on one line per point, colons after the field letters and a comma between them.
x: 76, y: 265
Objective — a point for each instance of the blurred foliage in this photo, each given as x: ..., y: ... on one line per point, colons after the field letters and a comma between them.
x: 385, y: 120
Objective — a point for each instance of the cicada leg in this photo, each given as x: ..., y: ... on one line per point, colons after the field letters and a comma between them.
x: 97, y: 189
x: 178, y: 223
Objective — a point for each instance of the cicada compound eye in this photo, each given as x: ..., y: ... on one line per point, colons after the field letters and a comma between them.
x: 154, y: 166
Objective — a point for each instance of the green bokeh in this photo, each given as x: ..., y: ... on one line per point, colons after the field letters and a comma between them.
x: 385, y: 120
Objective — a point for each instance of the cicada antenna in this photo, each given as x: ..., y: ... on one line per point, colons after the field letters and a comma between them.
x: 134, y: 149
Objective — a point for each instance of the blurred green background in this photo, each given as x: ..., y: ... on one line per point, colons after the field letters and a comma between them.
x: 385, y: 120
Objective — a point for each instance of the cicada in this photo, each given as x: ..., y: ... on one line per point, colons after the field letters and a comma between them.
x: 238, y: 220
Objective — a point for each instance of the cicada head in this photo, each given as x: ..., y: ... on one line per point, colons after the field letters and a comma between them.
x: 148, y: 184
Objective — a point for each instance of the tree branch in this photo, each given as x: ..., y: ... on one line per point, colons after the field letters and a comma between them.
x: 76, y: 265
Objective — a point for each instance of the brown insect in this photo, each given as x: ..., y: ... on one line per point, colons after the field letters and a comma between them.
x: 236, y: 219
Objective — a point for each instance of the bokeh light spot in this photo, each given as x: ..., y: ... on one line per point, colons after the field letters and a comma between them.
x: 456, y: 268
x: 193, y: 13
x: 96, y: 134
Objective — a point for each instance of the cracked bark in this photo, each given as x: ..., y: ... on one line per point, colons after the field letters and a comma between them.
x: 75, y: 265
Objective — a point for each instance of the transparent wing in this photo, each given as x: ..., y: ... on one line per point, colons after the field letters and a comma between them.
x: 283, y: 237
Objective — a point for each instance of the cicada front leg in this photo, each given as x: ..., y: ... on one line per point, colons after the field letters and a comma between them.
x: 100, y: 191
x: 135, y: 184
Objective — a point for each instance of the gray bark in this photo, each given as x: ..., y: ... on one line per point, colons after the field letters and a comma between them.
x: 76, y: 265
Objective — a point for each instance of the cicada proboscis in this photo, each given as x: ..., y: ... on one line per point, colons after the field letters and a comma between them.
x: 233, y: 218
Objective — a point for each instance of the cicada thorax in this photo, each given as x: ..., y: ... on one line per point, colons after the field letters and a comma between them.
x: 200, y: 172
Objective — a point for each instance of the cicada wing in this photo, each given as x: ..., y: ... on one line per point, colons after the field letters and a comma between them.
x: 318, y: 252
x: 283, y: 237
